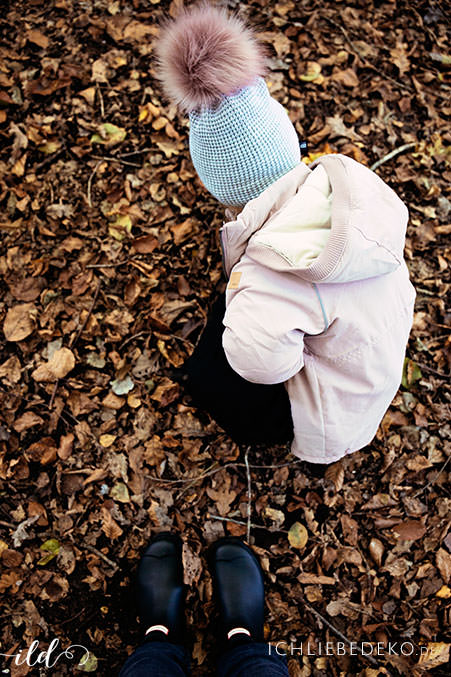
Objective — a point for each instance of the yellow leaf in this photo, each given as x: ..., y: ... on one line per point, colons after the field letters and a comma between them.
x: 133, y: 401
x: 109, y: 135
x: 52, y: 547
x: 49, y: 147
x: 297, y: 535
x: 313, y: 73
x: 120, y: 493
x: 437, y: 653
x: 120, y: 227
x: 19, y: 167
x: 444, y: 592
x: 106, y: 440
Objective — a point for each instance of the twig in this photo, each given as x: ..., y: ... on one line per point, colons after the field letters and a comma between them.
x: 116, y: 159
x: 338, y: 633
x: 249, y: 495
x: 182, y: 480
x: 49, y: 160
x: 434, y: 479
x: 102, y: 107
x: 392, y: 154
x: 424, y: 367
x: 273, y: 530
x: 136, y: 152
x: 7, y: 524
x: 133, y: 337
x: 74, y: 341
x: 108, y: 265
x: 196, y: 479
x: 90, y: 183
x: 106, y: 559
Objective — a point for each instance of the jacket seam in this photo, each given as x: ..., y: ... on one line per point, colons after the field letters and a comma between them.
x: 379, y: 244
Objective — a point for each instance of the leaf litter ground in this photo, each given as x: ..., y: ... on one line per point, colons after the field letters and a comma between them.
x: 109, y: 263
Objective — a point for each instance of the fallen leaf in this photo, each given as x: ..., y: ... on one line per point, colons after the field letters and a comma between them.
x: 107, y: 440
x: 109, y: 135
x: 410, y: 530
x: 437, y: 653
x: 119, y: 492
x: 59, y: 365
x: 38, y: 38
x: 52, y: 547
x: 297, y: 535
x: 19, y: 322
x: 122, y: 386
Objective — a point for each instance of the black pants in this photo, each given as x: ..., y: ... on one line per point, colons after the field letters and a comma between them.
x: 250, y: 413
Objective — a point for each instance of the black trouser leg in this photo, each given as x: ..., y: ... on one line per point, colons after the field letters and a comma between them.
x: 250, y: 413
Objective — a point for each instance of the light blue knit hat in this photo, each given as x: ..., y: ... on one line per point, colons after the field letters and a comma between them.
x: 243, y: 145
x: 241, y: 139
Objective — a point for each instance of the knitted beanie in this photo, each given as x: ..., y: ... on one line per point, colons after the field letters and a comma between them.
x: 241, y: 139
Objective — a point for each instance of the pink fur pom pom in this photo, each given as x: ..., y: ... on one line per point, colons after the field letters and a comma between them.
x: 205, y: 54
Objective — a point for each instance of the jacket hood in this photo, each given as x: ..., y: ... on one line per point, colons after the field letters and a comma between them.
x: 367, y: 226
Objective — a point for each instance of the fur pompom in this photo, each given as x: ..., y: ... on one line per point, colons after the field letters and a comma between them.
x: 205, y: 54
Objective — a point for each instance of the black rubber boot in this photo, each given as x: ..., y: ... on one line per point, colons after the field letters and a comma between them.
x: 238, y: 588
x: 160, y: 588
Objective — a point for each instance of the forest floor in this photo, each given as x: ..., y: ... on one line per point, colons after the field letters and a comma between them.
x: 109, y: 262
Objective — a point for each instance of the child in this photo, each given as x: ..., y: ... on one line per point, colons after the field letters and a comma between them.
x: 318, y: 306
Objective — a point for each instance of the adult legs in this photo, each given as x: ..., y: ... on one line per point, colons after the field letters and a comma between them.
x: 252, y: 660
x: 157, y: 659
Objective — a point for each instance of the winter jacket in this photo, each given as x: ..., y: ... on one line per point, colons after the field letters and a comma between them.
x: 319, y: 298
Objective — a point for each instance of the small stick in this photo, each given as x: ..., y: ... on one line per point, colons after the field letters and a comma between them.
x: 182, y: 480
x: 107, y: 265
x: 115, y: 159
x: 106, y: 559
x: 394, y: 153
x: 136, y: 152
x: 337, y: 632
x: 102, y: 107
x: 90, y: 183
x: 434, y: 479
x: 7, y: 524
x: 424, y: 367
x: 244, y: 524
x: 249, y: 495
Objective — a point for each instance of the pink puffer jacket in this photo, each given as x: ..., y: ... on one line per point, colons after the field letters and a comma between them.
x: 325, y: 307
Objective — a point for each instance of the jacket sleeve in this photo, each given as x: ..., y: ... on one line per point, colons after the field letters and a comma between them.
x: 260, y: 340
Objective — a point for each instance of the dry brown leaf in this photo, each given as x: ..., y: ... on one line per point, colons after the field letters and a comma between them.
x: 314, y: 579
x: 335, y: 474
x: 38, y: 38
x: 110, y: 527
x: 410, y: 530
x: 59, y: 365
x: 66, y: 446
x: 443, y: 561
x: 192, y: 566
x: 377, y: 550
x: 11, y: 370
x: 20, y: 322
x: 28, y: 420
